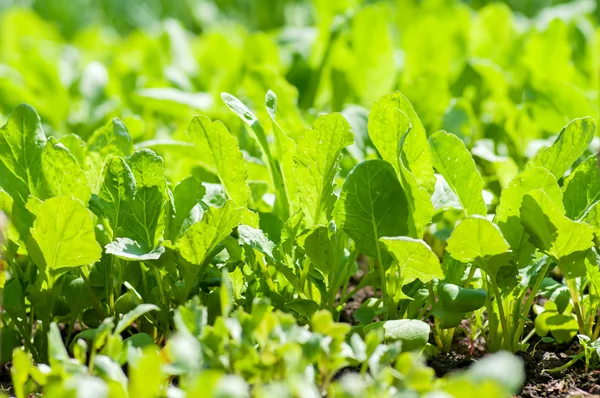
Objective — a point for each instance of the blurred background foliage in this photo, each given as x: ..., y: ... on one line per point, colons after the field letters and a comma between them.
x: 503, y: 76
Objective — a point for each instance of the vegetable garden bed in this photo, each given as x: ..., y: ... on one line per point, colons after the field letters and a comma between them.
x: 289, y: 198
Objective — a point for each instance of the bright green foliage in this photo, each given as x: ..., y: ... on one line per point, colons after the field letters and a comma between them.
x: 22, y: 142
x: 415, y: 259
x: 390, y: 129
x: 202, y: 237
x: 148, y: 251
x: 581, y: 190
x: 64, y: 232
x: 62, y: 174
x: 552, y: 232
x: 117, y: 190
x: 453, y: 161
x: 476, y: 238
x: 372, y: 205
x: 570, y: 144
x: 316, y: 164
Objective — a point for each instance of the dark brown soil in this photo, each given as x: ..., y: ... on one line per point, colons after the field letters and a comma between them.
x: 347, y: 314
x: 572, y: 382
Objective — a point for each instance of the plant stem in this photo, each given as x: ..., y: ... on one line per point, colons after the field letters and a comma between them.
x: 575, y: 298
x: 566, y: 365
x: 492, y: 327
x: 529, y: 303
x: 384, y: 297
x: 505, y: 331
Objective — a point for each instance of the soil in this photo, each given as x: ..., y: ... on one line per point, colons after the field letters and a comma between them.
x: 572, y: 382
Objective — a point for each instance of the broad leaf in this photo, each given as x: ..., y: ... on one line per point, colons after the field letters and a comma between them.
x: 64, y: 232
x: 452, y: 160
x: 143, y: 218
x: 128, y: 249
x: 319, y: 246
x: 389, y: 128
x: 415, y: 259
x: 62, y: 174
x: 317, y: 163
x: 219, y: 151
x: 21, y: 144
x: 372, y: 205
x: 256, y: 239
x: 147, y: 168
x: 187, y: 195
x: 117, y: 190
x: 555, y: 234
x: 581, y: 189
x: 570, y: 144
x: 509, y: 209
x: 111, y: 139
x: 476, y: 238
x: 415, y: 149
x: 201, y: 238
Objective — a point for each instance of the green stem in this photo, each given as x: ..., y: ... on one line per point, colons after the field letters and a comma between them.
x: 505, y: 331
x: 492, y: 327
x: 529, y: 303
x: 566, y: 365
x: 448, y: 340
x: 95, y: 301
x: 436, y: 331
x: 575, y: 298
x: 384, y: 296
x: 470, y: 277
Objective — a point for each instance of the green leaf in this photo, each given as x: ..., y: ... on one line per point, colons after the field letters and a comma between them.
x: 509, y: 209
x: 76, y: 147
x: 62, y: 174
x: 281, y: 206
x: 415, y: 258
x: 21, y: 144
x: 256, y: 239
x: 111, y: 139
x: 304, y: 307
x: 131, y: 316
x: 317, y: 163
x: 552, y: 232
x: 570, y: 144
x: 318, y: 246
x: 452, y: 159
x: 187, y: 195
x: 285, y: 151
x: 476, y: 238
x: 201, y: 238
x: 64, y: 232
x: 389, y: 128
x: 143, y: 218
x: 147, y: 168
x: 461, y: 299
x: 413, y: 333
x: 562, y: 326
x: 219, y: 151
x: 117, y: 190
x: 372, y: 204
x: 581, y: 189
x: 128, y: 249
x: 416, y: 153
